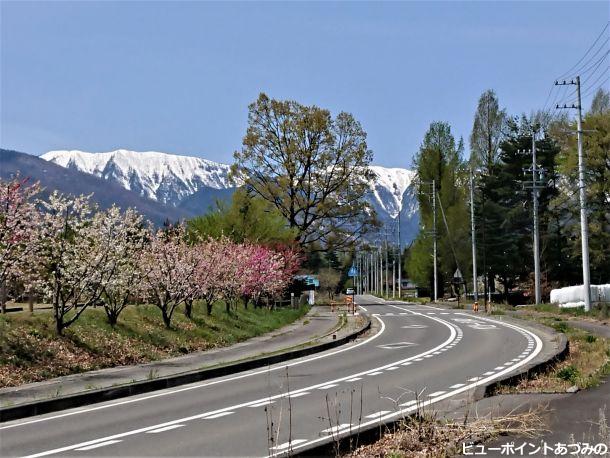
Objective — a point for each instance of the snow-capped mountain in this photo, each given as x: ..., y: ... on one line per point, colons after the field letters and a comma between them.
x: 184, y: 181
x: 167, y: 178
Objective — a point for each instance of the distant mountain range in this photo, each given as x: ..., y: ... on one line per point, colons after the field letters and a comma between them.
x: 169, y: 186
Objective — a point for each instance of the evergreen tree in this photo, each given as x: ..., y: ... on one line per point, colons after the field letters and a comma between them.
x: 440, y: 159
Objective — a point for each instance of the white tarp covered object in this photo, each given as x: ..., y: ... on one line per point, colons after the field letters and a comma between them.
x: 574, y: 296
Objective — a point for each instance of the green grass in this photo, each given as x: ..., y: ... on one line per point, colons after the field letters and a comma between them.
x: 30, y: 351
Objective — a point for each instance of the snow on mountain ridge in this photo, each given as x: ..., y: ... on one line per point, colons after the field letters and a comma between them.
x: 170, y: 179
x: 159, y: 176
x: 390, y: 187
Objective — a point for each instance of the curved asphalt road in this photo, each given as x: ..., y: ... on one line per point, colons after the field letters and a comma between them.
x: 418, y: 352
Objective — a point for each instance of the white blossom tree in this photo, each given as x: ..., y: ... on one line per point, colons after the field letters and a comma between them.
x: 73, y: 257
x: 125, y: 236
x: 19, y: 221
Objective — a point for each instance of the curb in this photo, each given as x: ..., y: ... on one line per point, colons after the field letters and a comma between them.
x: 31, y: 409
x: 374, y: 433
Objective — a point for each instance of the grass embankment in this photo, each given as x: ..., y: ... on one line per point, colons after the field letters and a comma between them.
x: 586, y: 365
x: 30, y: 351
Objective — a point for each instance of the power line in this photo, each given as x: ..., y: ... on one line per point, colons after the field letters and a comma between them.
x: 564, y: 75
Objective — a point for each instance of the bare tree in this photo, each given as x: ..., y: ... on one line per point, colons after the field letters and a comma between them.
x: 487, y: 131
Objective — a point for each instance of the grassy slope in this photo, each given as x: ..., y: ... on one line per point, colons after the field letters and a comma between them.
x: 30, y: 351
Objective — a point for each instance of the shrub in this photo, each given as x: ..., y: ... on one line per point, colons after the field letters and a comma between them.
x: 569, y: 374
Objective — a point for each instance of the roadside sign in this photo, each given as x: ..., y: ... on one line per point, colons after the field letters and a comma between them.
x: 353, y: 272
x: 457, y: 274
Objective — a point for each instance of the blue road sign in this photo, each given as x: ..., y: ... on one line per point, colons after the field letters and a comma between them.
x: 353, y: 272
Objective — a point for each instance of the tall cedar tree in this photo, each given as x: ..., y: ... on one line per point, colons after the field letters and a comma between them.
x: 440, y: 159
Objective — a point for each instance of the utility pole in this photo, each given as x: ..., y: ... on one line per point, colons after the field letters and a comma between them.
x: 393, y: 278
x: 535, y: 185
x: 434, y: 235
x: 536, y: 239
x: 584, y: 228
x: 387, y: 286
x: 399, y: 266
x: 475, y: 286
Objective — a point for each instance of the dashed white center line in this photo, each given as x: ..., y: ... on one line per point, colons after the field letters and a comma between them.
x: 499, y: 368
x: 393, y: 368
x: 217, y: 415
x: 355, y: 379
x: 326, y: 387
x: 473, y: 379
x: 408, y: 363
x: 286, y: 445
x: 99, y: 444
x: 457, y: 385
x: 166, y: 428
x: 374, y: 373
x: 489, y: 373
x: 377, y: 414
x: 436, y: 393
x: 298, y: 395
x: 260, y: 404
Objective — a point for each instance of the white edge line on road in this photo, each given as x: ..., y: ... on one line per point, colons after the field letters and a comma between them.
x: 436, y: 399
x: 453, y: 334
x: 199, y: 385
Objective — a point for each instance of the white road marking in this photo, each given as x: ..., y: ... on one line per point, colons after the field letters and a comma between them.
x: 473, y: 379
x: 498, y: 368
x: 287, y: 445
x: 408, y: 363
x: 298, y: 395
x: 99, y: 444
x: 408, y: 403
x: 393, y: 368
x: 260, y: 404
x: 478, y: 382
x: 216, y: 415
x: 203, y: 385
x: 419, y: 359
x: 374, y: 373
x: 378, y: 414
x: 489, y: 373
x: 167, y: 428
x: 326, y: 387
x: 451, y: 338
x: 436, y: 393
x: 457, y: 385
x: 335, y: 429
x: 355, y: 379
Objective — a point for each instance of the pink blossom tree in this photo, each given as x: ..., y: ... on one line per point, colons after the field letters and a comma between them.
x: 19, y: 221
x: 168, y: 267
x: 208, y: 276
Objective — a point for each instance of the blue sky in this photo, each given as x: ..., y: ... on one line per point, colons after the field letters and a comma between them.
x: 178, y: 76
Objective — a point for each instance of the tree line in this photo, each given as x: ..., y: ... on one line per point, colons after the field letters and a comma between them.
x: 499, y: 157
x: 67, y: 251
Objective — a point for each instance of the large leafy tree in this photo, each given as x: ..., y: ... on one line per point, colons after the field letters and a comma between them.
x: 596, y: 149
x: 311, y: 167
